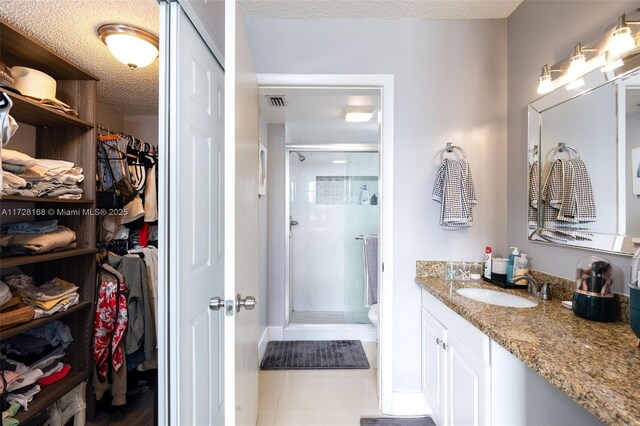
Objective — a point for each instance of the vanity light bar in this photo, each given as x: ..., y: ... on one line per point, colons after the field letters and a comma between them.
x: 607, y: 54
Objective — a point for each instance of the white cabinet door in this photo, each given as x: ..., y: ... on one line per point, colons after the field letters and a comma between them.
x: 433, y: 364
x: 466, y: 383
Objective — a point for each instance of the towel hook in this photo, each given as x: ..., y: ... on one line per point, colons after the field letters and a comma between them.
x: 563, y: 147
x: 450, y: 148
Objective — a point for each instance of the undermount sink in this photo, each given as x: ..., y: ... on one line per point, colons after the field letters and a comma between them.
x: 496, y: 298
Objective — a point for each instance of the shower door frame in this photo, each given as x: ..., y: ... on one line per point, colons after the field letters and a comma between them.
x: 288, y: 149
x: 384, y: 83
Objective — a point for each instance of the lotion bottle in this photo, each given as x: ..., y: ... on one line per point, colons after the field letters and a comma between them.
x: 511, y: 264
x: 521, y: 267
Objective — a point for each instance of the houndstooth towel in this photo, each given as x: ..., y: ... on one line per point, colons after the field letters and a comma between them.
x: 567, y: 202
x: 455, y: 191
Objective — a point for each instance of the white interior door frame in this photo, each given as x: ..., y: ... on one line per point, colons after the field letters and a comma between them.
x: 384, y: 82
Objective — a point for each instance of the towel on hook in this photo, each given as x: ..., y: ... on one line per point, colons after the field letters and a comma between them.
x: 578, y: 205
x: 534, y: 171
x: 454, y: 190
x: 370, y: 250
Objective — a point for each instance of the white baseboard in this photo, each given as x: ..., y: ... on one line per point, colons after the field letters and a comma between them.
x: 262, y: 345
x: 364, y: 333
x: 275, y: 333
x: 409, y: 404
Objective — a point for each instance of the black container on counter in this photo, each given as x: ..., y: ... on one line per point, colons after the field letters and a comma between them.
x: 593, y: 297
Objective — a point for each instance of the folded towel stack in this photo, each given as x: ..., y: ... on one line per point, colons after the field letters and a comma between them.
x: 35, y: 238
x: 568, y: 202
x: 454, y: 190
x: 27, y: 176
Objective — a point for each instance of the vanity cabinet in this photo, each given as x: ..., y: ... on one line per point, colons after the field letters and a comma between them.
x: 455, y: 366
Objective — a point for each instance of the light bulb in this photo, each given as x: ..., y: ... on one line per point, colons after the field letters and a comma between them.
x: 621, y: 41
x: 577, y: 66
x: 545, y: 85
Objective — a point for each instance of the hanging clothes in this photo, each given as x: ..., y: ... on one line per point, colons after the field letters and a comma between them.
x: 110, y: 325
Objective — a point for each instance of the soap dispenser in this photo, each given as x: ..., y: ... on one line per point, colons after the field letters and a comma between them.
x: 521, y: 267
x: 364, y: 195
x: 511, y: 263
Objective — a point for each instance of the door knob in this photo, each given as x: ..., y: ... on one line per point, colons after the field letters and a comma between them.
x: 249, y: 303
x: 294, y: 223
x: 216, y: 303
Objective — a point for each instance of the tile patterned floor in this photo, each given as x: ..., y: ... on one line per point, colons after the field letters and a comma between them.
x: 319, y: 398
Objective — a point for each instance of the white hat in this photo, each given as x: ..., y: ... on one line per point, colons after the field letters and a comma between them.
x: 36, y: 84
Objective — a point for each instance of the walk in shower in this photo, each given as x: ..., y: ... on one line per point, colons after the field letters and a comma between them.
x: 333, y: 202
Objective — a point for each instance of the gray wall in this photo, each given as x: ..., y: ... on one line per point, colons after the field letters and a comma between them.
x: 450, y: 85
x: 544, y: 32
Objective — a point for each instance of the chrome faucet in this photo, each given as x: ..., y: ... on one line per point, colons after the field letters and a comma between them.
x: 533, y: 286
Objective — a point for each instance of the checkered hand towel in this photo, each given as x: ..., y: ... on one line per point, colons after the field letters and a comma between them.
x: 455, y: 191
x: 533, y: 194
x: 578, y: 205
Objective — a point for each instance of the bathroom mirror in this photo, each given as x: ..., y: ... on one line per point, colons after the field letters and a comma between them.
x: 584, y: 163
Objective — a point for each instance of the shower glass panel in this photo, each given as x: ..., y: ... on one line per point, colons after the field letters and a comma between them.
x: 327, y: 276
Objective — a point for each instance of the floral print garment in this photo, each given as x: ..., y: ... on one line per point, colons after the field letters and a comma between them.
x: 109, y: 327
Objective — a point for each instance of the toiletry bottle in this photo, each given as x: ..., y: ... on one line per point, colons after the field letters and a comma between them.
x: 374, y: 200
x: 487, y: 262
x: 521, y: 267
x: 364, y: 195
x: 511, y: 263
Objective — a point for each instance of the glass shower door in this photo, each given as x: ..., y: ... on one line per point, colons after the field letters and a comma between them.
x: 328, y: 211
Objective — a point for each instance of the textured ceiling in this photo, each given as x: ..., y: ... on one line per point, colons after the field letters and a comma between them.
x: 378, y: 9
x: 69, y: 27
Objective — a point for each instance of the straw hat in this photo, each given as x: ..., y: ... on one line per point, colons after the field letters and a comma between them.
x: 36, y: 84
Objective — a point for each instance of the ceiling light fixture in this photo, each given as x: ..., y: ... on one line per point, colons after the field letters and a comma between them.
x: 132, y: 46
x: 578, y: 62
x: 545, y: 84
x: 358, y: 114
x: 621, y: 40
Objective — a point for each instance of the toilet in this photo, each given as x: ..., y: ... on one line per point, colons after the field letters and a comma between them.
x: 374, y: 315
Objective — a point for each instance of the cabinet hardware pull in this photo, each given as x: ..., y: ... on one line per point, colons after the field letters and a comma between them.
x: 444, y: 346
x: 437, y: 341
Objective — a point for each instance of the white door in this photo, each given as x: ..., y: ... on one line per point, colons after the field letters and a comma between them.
x: 193, y: 186
x: 433, y: 364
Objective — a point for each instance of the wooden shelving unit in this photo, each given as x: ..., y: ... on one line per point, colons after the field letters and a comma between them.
x: 45, y: 200
x: 12, y: 331
x: 64, y: 137
x: 50, y: 394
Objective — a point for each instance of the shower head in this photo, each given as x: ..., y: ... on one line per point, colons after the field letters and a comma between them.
x: 301, y: 157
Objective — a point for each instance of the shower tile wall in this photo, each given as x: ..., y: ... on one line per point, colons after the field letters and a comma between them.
x: 327, y: 269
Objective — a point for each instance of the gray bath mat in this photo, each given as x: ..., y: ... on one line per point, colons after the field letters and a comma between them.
x: 398, y: 421
x: 314, y: 355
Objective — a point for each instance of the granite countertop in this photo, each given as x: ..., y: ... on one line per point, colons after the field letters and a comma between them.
x: 596, y: 364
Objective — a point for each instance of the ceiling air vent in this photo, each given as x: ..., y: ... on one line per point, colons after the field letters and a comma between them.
x: 276, y: 101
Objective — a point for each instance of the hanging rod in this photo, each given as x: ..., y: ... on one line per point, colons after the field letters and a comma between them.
x: 132, y: 141
x: 450, y: 148
x: 563, y: 147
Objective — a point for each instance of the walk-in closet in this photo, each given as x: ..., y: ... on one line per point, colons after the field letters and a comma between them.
x: 78, y: 214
